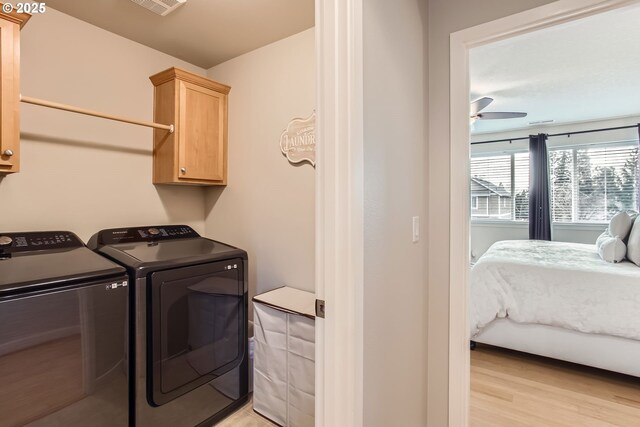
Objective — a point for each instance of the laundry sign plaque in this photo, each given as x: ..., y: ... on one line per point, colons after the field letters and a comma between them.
x: 298, y: 141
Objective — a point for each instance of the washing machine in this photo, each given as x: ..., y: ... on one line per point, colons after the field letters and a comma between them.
x: 63, y: 333
x: 189, y: 323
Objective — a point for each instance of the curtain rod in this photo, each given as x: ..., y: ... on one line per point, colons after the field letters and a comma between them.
x: 568, y: 134
x: 57, y: 106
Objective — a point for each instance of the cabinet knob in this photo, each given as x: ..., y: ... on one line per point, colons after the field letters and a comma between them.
x: 183, y: 170
x: 7, y: 152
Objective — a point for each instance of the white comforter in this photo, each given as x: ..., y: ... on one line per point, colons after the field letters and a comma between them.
x: 558, y: 284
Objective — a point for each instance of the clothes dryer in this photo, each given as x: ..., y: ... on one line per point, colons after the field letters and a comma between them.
x: 189, y: 329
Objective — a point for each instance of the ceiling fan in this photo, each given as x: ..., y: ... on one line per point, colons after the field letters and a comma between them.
x: 482, y: 103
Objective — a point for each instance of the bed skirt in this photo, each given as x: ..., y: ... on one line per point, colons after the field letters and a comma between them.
x: 600, y: 351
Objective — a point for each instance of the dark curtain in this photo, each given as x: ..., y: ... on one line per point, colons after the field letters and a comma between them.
x: 539, y: 191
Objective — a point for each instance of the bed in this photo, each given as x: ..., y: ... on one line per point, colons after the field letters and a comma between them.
x: 559, y: 300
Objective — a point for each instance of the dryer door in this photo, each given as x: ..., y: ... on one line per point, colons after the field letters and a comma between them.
x: 197, y: 319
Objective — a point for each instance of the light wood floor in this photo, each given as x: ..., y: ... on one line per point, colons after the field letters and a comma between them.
x: 246, y: 417
x: 511, y: 389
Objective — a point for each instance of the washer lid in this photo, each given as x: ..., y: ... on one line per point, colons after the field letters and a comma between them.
x: 160, y: 246
x: 176, y: 250
x: 26, y: 271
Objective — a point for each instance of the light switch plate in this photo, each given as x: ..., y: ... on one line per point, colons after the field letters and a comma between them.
x: 416, y: 229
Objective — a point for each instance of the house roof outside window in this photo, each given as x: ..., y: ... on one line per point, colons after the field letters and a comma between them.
x: 486, y: 188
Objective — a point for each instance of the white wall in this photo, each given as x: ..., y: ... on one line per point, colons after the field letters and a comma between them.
x: 82, y: 173
x: 485, y: 233
x: 446, y: 17
x: 268, y: 206
x: 394, y: 162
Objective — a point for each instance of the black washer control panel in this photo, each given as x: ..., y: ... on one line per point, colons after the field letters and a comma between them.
x: 151, y: 233
x: 37, y: 241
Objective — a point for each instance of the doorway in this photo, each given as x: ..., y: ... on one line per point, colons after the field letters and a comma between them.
x: 461, y: 43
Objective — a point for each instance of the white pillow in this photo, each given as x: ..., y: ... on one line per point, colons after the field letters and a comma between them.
x: 633, y: 245
x: 602, y: 238
x: 612, y: 249
x: 620, y: 225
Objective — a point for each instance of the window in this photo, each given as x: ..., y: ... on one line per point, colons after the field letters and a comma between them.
x: 503, y: 183
x: 592, y: 183
x: 589, y: 183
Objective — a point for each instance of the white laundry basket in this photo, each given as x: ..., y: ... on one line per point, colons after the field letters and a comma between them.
x: 284, y: 357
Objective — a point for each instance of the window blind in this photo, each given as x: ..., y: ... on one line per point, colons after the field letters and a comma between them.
x: 521, y: 193
x: 500, y: 187
x: 591, y: 184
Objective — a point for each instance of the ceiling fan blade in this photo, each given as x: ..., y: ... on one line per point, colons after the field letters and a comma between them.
x: 500, y: 115
x: 480, y: 104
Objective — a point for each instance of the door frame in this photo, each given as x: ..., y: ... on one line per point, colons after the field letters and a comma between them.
x: 339, y: 213
x: 531, y: 20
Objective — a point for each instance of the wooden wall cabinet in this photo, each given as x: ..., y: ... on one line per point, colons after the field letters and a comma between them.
x: 10, y: 24
x: 196, y: 152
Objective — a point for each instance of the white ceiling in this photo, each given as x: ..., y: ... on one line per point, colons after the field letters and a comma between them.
x: 583, y: 70
x: 202, y: 32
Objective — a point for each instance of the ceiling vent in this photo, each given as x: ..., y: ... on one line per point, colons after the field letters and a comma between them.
x: 160, y: 7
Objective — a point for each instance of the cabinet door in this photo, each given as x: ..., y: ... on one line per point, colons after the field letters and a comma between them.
x: 201, y: 133
x: 9, y: 96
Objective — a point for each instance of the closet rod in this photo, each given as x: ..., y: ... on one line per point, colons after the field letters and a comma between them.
x: 559, y: 134
x: 57, y: 106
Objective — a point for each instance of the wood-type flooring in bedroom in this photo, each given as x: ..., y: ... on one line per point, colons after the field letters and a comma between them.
x: 511, y: 389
